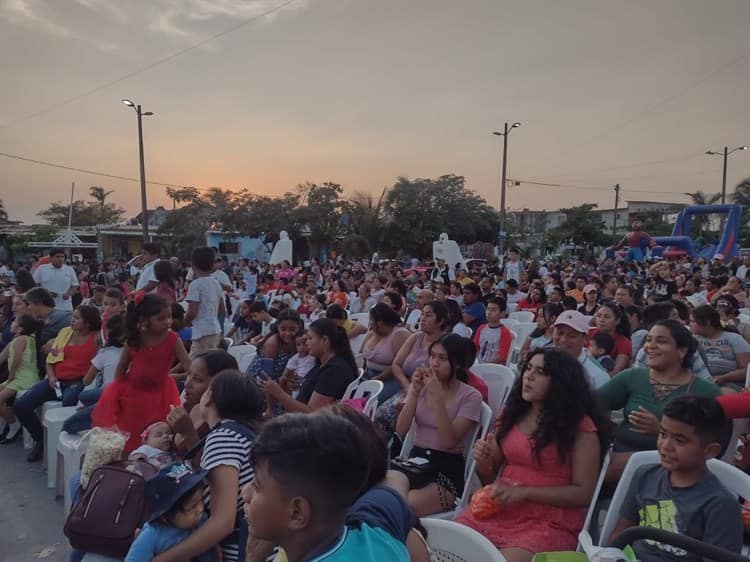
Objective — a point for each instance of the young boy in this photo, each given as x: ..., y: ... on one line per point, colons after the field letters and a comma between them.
x: 113, y: 304
x: 259, y: 315
x: 307, y: 494
x: 205, y: 303
x: 176, y: 500
x: 681, y: 495
x: 493, y: 339
x: 601, y: 347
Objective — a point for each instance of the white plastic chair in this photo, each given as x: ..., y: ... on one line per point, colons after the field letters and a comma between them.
x: 229, y: 342
x: 412, y: 321
x: 356, y: 343
x: 522, y: 316
x: 361, y: 318
x: 499, y: 380
x: 70, y: 452
x: 510, y: 323
x: 369, y: 390
x: 479, y: 432
x: 453, y: 542
x: 593, y: 507
x: 354, y: 384
x: 244, y: 354
x: 731, y: 477
x: 52, y: 423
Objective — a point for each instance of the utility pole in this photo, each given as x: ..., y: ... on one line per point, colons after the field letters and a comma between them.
x: 617, y: 204
x: 502, y: 235
x: 724, y: 178
x: 144, y: 205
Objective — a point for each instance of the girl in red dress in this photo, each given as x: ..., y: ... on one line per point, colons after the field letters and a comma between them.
x: 143, y: 391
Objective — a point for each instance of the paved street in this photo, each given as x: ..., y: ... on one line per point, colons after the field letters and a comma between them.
x: 30, y: 518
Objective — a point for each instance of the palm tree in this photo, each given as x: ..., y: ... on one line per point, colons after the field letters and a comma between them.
x: 702, y: 198
x: 741, y: 195
x: 100, y: 195
x: 367, y: 216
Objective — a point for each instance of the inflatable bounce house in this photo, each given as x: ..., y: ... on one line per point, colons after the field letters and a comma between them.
x: 680, y: 243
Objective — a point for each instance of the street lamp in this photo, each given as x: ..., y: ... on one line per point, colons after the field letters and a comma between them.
x: 144, y: 206
x: 502, y: 234
x: 726, y: 154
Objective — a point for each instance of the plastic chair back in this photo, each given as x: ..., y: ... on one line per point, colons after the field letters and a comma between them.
x: 499, y: 380
x: 453, y: 542
x: 522, y: 316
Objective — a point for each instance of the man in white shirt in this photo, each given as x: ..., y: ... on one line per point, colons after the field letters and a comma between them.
x: 744, y: 268
x: 149, y: 255
x: 569, y: 335
x: 59, y: 279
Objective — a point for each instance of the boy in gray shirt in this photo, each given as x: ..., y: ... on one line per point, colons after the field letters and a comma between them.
x: 681, y: 495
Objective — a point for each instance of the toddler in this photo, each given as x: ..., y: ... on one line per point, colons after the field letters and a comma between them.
x: 176, y: 498
x: 298, y: 366
x: 157, y: 445
x: 601, y: 347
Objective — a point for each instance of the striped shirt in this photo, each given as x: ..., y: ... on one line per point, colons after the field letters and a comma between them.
x: 226, y: 447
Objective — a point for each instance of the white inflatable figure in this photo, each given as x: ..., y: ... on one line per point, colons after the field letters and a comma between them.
x: 448, y: 250
x: 282, y: 250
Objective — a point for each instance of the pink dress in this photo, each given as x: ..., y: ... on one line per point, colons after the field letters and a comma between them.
x: 532, y: 526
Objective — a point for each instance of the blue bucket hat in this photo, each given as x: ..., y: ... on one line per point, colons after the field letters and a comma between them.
x: 169, y: 486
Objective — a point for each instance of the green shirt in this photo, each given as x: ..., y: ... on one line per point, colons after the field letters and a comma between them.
x: 630, y: 389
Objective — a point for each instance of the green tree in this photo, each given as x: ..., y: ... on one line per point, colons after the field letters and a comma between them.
x: 418, y: 211
x: 99, y: 194
x: 354, y: 246
x: 182, y: 195
x: 581, y: 227
x: 701, y: 222
x: 654, y: 223
x: 741, y: 196
x: 85, y: 213
x: 367, y: 216
x: 3, y: 213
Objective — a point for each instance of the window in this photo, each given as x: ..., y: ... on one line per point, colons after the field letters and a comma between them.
x: 229, y: 248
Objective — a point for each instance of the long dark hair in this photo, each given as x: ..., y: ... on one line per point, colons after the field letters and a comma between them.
x: 457, y: 350
x: 237, y: 397
x: 569, y: 398
x: 148, y: 305
x: 622, y: 326
x: 336, y: 334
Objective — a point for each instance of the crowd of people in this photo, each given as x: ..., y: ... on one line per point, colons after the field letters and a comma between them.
x: 274, y: 461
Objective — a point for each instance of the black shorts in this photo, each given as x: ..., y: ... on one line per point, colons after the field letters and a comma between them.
x: 449, y: 468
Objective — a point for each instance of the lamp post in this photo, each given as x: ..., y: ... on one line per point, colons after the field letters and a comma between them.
x: 144, y: 206
x: 726, y: 154
x: 502, y: 234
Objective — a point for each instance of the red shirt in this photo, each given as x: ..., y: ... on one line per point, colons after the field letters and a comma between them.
x: 76, y: 360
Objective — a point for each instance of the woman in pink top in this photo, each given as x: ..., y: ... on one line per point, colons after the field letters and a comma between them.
x: 383, y: 342
x: 543, y: 459
x: 444, y: 410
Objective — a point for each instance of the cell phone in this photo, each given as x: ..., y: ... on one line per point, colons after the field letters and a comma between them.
x: 266, y: 366
x: 58, y: 390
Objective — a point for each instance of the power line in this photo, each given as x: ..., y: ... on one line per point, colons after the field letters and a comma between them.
x: 96, y: 173
x: 633, y: 165
x: 600, y: 188
x: 143, y: 69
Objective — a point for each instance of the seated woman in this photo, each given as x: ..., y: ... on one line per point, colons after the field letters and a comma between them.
x: 545, y: 325
x: 413, y: 354
x: 642, y: 393
x: 534, y: 301
x: 543, y: 459
x: 610, y: 319
x: 187, y: 421
x: 338, y: 315
x: 727, y: 353
x: 278, y: 347
x: 232, y: 407
x: 334, y: 371
x: 67, y: 363
x: 382, y: 344
x: 456, y: 322
x: 444, y: 410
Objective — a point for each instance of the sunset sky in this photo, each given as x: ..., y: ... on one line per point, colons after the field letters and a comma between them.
x: 361, y: 92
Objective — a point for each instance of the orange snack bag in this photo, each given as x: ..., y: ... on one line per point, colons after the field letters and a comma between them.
x: 483, y: 506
